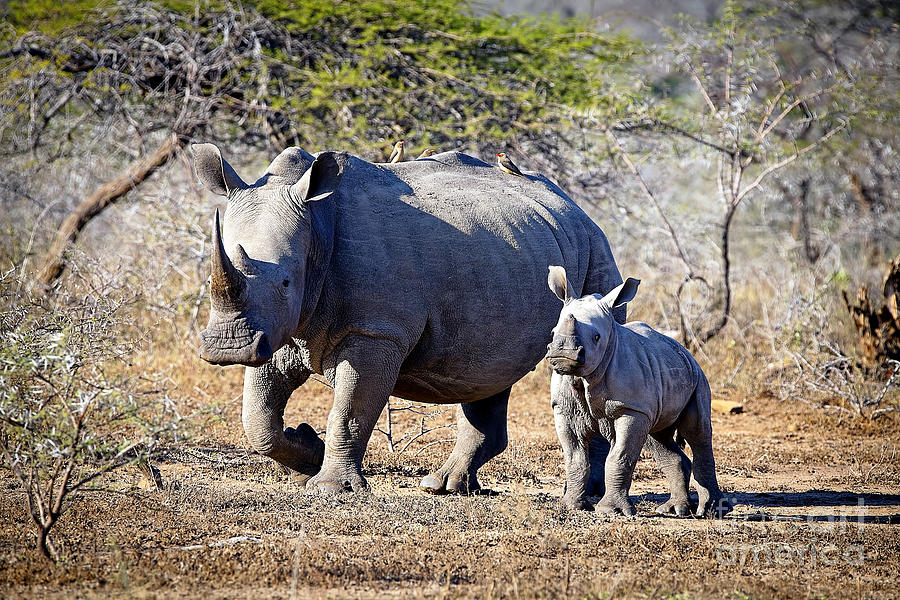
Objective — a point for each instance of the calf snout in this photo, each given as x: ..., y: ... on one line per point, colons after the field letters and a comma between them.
x: 565, y: 354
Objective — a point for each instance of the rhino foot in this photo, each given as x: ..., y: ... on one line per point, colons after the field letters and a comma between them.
x: 616, y: 504
x: 715, y: 507
x: 440, y: 482
x: 679, y: 508
x: 576, y: 503
x: 332, y: 480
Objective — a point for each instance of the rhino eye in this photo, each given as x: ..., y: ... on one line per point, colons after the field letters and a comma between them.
x: 597, y: 337
x: 286, y: 282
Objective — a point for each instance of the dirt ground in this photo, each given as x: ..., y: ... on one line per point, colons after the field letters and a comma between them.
x: 816, y: 496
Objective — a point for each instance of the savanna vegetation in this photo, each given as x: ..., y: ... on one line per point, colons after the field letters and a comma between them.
x: 744, y: 166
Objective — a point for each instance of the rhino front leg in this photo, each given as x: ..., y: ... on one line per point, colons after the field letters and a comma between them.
x: 364, y: 374
x: 266, y: 392
x: 631, y: 434
x: 480, y: 437
x: 575, y: 440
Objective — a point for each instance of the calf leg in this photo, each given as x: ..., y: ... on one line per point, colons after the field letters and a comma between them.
x: 266, y: 392
x: 575, y: 437
x: 631, y: 432
x: 676, y: 466
x: 364, y: 373
x: 480, y: 437
x: 696, y: 427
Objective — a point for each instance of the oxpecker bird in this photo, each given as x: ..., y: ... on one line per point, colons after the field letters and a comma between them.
x: 426, y: 153
x: 397, y: 152
x: 507, y: 165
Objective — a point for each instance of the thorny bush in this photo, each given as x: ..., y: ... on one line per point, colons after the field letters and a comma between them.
x: 70, y: 409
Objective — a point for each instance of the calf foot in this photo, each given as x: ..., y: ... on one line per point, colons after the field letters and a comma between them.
x: 616, y: 504
x: 680, y: 508
x: 334, y: 480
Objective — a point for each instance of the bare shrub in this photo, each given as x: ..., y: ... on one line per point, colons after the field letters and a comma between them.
x: 70, y: 409
x: 822, y: 371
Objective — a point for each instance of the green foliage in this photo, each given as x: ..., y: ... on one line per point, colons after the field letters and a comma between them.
x: 48, y: 16
x: 342, y: 74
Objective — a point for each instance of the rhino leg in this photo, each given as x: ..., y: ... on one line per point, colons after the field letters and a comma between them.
x: 631, y: 434
x: 597, y: 452
x: 676, y: 466
x: 364, y: 374
x: 696, y: 427
x: 266, y: 392
x: 481, y: 436
x: 576, y: 439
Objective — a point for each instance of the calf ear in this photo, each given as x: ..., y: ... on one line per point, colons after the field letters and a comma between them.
x: 213, y: 171
x: 321, y: 179
x: 622, y: 294
x: 559, y: 284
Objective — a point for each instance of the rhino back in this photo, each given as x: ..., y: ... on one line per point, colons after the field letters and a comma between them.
x: 448, y: 258
x: 654, y: 372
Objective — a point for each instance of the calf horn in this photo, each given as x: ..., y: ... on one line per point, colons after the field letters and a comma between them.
x: 226, y: 282
x: 568, y: 327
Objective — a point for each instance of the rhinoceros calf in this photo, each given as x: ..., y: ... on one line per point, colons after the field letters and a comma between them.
x: 422, y: 279
x: 627, y: 382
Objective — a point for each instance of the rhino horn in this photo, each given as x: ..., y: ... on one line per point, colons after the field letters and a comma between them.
x: 226, y: 282
x: 568, y: 327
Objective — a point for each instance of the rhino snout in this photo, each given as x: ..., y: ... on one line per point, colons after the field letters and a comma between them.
x: 565, y: 355
x: 234, y: 343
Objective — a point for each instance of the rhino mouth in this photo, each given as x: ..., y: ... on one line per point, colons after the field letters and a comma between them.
x: 234, y: 343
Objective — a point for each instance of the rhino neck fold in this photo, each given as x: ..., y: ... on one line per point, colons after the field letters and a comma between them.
x: 318, y: 259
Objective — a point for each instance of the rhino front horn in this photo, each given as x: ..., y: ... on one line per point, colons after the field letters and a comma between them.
x: 568, y: 327
x: 226, y: 282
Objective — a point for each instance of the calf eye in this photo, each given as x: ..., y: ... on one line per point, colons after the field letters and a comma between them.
x: 286, y: 283
x: 597, y: 337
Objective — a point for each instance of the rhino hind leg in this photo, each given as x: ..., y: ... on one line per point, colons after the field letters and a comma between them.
x: 696, y: 427
x: 480, y: 437
x: 676, y: 467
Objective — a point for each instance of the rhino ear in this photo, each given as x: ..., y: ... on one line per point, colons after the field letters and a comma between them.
x: 290, y: 165
x: 622, y: 293
x: 321, y: 179
x: 559, y: 284
x: 213, y: 171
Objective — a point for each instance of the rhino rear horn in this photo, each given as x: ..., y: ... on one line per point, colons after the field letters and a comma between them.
x: 226, y: 282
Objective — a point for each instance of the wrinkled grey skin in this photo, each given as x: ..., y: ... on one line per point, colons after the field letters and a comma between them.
x: 632, y: 385
x: 421, y: 279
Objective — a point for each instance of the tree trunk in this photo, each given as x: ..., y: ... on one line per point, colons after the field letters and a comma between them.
x: 56, y: 258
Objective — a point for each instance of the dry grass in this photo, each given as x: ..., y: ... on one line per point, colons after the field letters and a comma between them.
x: 229, y: 524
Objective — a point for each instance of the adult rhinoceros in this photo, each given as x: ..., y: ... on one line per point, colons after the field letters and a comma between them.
x: 423, y: 279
